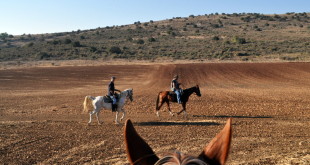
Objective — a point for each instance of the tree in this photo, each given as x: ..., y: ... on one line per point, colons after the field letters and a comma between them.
x: 3, y: 36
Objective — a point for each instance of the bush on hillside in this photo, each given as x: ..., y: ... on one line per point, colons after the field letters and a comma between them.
x: 76, y: 44
x: 140, y: 41
x: 115, y: 49
x: 238, y: 40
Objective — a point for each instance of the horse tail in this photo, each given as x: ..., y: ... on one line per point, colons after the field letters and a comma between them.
x: 87, y: 103
x: 157, y: 101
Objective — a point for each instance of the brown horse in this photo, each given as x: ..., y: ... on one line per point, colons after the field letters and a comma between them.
x: 167, y: 96
x: 140, y: 153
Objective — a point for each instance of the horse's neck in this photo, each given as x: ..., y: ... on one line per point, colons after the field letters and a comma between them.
x: 189, y: 91
x: 122, y: 96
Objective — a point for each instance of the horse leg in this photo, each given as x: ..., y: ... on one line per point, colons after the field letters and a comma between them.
x: 90, y: 114
x: 116, y: 118
x: 168, y: 105
x: 97, y: 115
x: 183, y: 109
x: 157, y: 110
x: 124, y: 114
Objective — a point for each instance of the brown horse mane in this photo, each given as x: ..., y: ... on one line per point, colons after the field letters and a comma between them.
x: 179, y: 158
x: 191, y: 89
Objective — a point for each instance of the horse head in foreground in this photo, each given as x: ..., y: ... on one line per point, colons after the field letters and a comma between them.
x: 93, y: 105
x: 140, y: 153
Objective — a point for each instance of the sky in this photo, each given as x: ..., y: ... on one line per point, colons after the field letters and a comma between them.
x: 50, y: 16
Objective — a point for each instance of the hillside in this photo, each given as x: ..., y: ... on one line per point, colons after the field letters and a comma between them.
x: 243, y: 36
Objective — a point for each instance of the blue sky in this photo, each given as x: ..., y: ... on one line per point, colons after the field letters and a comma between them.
x: 49, y: 16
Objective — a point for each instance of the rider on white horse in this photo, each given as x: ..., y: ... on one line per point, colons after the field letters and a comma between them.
x: 111, y: 93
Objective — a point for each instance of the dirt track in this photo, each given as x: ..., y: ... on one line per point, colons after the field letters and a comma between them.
x: 41, y: 118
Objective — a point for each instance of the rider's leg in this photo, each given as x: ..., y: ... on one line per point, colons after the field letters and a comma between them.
x: 114, y: 100
x: 177, y: 92
x: 113, y: 103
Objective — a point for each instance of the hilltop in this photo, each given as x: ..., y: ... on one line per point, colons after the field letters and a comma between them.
x: 238, y: 36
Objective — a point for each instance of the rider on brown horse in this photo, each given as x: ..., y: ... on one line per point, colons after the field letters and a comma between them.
x: 175, y: 87
x: 112, y: 94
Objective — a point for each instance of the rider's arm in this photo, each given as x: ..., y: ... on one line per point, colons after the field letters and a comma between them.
x: 117, y: 90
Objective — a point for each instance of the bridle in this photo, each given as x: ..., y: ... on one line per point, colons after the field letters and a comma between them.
x: 129, y: 95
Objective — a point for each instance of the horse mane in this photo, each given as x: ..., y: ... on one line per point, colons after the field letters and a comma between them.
x: 139, y: 152
x: 179, y: 158
x: 191, y: 88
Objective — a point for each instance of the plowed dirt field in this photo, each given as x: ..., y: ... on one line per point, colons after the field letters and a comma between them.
x: 41, y: 119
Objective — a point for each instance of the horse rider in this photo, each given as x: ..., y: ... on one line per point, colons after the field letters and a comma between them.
x: 112, y: 94
x: 175, y: 87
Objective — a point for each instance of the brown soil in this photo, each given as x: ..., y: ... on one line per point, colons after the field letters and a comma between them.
x: 41, y: 119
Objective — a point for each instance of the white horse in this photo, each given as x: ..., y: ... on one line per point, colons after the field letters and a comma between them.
x: 97, y: 103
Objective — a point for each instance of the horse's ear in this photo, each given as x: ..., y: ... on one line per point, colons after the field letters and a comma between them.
x: 216, y: 152
x: 138, y: 151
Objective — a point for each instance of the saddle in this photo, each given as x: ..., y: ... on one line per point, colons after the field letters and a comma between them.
x: 174, y: 96
x: 107, y: 99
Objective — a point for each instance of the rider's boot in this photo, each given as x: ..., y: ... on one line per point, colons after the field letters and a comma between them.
x: 114, y: 107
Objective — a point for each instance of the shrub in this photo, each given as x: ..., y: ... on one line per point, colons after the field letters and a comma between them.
x: 140, y: 41
x: 30, y: 44
x: 115, y: 49
x: 3, y: 36
x: 55, y: 42
x: 42, y: 55
x: 151, y: 39
x: 289, y: 58
x: 93, y: 49
x: 215, y: 38
x: 215, y: 25
x: 76, y: 44
x: 238, y: 40
x: 67, y: 41
x: 242, y: 54
x: 129, y: 39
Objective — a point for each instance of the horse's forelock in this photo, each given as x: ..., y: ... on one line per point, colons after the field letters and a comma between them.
x: 179, y: 158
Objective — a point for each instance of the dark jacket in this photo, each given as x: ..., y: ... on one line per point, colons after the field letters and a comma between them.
x: 176, y: 84
x: 111, y: 89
